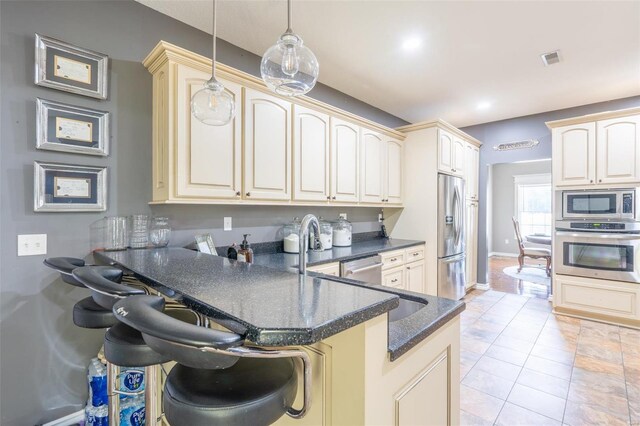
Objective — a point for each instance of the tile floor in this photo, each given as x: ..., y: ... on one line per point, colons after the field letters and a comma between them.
x: 523, y: 365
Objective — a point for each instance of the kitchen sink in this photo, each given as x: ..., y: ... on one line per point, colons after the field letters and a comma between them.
x: 406, y: 308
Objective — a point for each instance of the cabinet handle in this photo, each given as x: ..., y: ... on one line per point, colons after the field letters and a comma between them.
x: 416, y: 254
x: 600, y: 180
x: 328, y: 197
x: 248, y: 194
x: 237, y: 193
x: 453, y: 170
x: 591, y: 181
x: 393, y: 259
x: 395, y: 280
x: 334, y: 197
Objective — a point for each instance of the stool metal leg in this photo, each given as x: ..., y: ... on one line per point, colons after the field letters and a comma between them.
x: 113, y: 397
x: 151, y: 395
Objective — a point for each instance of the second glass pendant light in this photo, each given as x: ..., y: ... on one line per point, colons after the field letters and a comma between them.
x: 212, y: 104
x: 289, y: 67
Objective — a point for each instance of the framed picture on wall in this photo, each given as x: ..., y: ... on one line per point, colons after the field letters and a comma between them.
x: 69, y: 188
x: 62, y: 66
x: 67, y: 128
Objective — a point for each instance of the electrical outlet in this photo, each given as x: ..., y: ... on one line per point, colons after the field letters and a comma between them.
x: 506, y: 241
x: 227, y: 224
x: 32, y: 244
x: 379, y: 217
x: 342, y: 216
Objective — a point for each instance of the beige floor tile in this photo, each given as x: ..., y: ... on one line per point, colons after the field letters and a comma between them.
x: 468, y: 419
x: 630, y: 336
x: 483, y: 324
x: 497, y: 318
x: 577, y: 414
x: 480, y: 404
x: 631, y: 367
x: 557, y: 342
x: 543, y: 382
x: 514, y: 343
x: 539, y: 402
x: 558, y: 355
x: 513, y: 415
x: 480, y: 334
x: 633, y: 392
x: 498, y: 368
x: 508, y: 355
x: 598, y: 365
x: 471, y: 344
x: 614, y: 403
x: 488, y: 383
x: 522, y: 333
x: 599, y: 334
x: 604, y: 382
x: 549, y: 367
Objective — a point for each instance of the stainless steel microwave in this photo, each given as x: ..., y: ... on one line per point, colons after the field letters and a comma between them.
x: 617, y: 204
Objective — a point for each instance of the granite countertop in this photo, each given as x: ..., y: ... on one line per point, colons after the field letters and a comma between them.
x: 336, y: 254
x: 270, y: 307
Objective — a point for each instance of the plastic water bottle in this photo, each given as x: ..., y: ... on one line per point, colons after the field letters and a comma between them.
x: 132, y: 411
x: 97, y: 377
x: 131, y: 380
x: 96, y: 416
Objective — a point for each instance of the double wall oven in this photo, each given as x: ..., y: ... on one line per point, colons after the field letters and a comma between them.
x: 598, y: 234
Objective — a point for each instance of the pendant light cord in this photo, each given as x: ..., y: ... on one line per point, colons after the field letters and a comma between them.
x: 289, y: 30
x: 213, y: 59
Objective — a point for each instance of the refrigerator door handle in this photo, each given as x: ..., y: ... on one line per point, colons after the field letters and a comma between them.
x: 456, y: 202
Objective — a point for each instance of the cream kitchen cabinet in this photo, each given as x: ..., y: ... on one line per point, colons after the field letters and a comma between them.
x: 471, y: 243
x: 618, y: 150
x: 327, y: 269
x: 405, y: 269
x: 393, y: 179
x: 471, y: 170
x: 372, y: 156
x: 345, y: 165
x: 451, y: 153
x: 414, y: 276
x: 267, y: 147
x: 603, y: 152
x: 310, y: 155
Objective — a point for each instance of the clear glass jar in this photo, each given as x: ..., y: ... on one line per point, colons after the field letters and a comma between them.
x: 109, y: 233
x: 139, y: 234
x: 342, y: 233
x: 291, y: 239
x: 160, y: 231
x: 326, y: 235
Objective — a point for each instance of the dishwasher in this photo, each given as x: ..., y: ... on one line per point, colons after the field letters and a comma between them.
x: 367, y: 269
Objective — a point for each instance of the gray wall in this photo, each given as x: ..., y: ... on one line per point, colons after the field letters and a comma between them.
x: 529, y: 127
x: 43, y: 357
x: 503, y: 203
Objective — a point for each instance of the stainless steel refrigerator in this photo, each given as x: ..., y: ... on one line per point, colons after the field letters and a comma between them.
x: 451, y: 256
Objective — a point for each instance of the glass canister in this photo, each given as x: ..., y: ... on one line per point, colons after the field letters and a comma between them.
x: 159, y: 231
x: 109, y: 233
x: 139, y: 236
x: 326, y: 235
x: 342, y: 233
x: 290, y: 233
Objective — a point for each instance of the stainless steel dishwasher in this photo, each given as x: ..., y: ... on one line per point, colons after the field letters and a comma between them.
x: 367, y: 269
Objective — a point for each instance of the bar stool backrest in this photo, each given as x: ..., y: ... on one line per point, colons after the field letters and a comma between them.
x: 104, y: 283
x: 187, y: 344
x: 65, y: 265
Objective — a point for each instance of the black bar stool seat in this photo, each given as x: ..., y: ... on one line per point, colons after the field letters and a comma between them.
x: 65, y: 265
x: 264, y: 388
x: 88, y: 314
x: 125, y: 347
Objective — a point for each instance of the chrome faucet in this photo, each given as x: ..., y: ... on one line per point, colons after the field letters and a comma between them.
x: 303, y: 240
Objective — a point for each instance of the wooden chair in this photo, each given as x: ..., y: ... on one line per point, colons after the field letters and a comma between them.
x: 534, y: 253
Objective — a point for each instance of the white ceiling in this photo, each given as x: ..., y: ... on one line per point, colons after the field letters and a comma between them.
x: 471, y: 52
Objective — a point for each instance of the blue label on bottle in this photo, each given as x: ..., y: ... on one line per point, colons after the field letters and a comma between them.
x: 132, y: 380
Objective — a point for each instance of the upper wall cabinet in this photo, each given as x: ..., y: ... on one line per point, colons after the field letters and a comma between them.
x: 601, y: 152
x: 267, y: 152
x: 310, y: 155
x: 208, y: 158
x: 345, y: 167
x: 393, y: 175
x: 372, y: 153
x: 451, y: 152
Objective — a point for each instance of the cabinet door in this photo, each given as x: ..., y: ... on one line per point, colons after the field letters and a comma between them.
x: 423, y: 401
x: 208, y: 158
x: 394, y: 278
x: 618, y: 148
x: 267, y: 150
x: 310, y: 155
x: 393, y: 172
x: 445, y: 151
x: 458, y: 154
x: 574, y: 154
x: 414, y: 276
x: 372, y: 153
x: 345, y: 166
x: 472, y: 170
x: 471, y: 221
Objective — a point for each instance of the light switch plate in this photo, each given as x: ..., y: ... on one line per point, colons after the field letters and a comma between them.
x: 32, y: 244
x: 342, y: 216
x: 227, y: 224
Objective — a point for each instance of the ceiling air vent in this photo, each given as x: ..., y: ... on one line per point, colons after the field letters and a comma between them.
x: 551, y: 58
x: 530, y: 143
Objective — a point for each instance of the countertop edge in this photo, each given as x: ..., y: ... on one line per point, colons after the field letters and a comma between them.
x: 366, y: 254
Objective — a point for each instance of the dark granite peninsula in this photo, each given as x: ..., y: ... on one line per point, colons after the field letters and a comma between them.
x: 379, y: 355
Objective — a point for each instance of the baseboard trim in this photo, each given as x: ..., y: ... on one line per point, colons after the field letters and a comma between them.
x: 483, y: 286
x: 68, y: 420
x: 501, y: 254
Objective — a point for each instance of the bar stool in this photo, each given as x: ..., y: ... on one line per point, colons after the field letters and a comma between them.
x: 86, y: 313
x: 217, y: 380
x: 123, y: 345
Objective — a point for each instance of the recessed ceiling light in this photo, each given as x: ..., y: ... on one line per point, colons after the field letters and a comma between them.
x: 483, y: 105
x: 411, y: 43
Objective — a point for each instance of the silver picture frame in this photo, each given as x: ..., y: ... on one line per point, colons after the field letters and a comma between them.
x: 92, y: 139
x: 69, y: 68
x: 204, y: 243
x: 69, y: 188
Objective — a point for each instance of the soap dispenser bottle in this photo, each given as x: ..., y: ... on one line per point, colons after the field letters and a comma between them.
x: 245, y: 254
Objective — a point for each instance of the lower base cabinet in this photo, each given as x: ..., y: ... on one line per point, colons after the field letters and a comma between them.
x: 327, y: 269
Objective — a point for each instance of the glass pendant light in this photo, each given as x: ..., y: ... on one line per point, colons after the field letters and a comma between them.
x: 289, y: 68
x: 213, y: 105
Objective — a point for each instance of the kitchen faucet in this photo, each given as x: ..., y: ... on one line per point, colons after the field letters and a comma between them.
x: 303, y: 240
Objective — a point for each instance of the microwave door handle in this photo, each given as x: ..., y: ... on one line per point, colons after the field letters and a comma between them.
x: 602, y: 235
